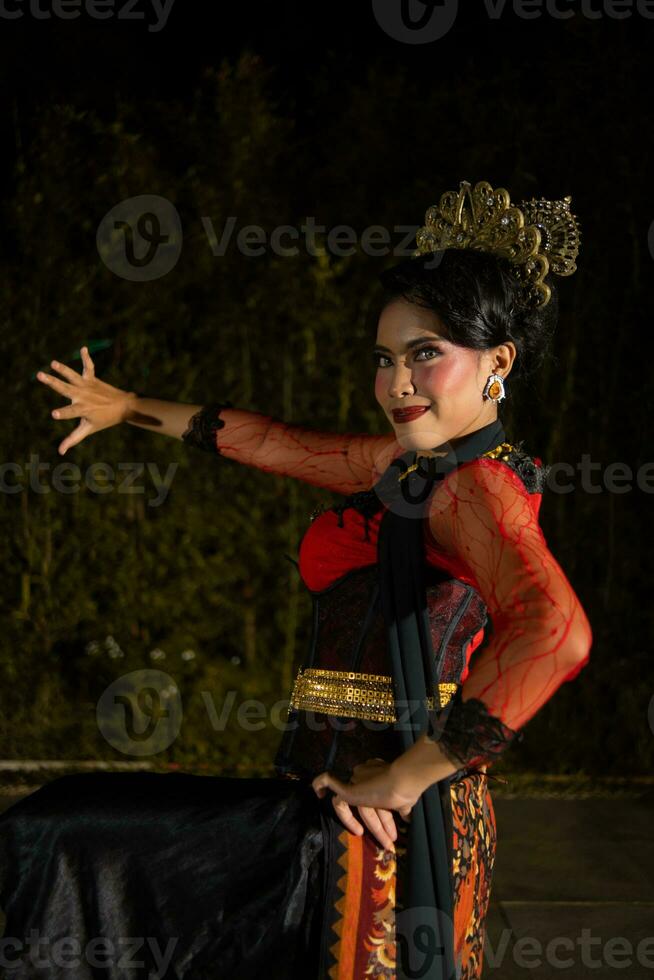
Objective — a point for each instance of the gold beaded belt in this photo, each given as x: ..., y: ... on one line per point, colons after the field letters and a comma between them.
x: 353, y: 695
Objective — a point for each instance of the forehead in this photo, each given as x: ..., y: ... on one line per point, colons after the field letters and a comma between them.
x: 401, y: 320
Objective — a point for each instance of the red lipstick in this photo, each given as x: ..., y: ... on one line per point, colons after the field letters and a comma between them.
x: 408, y: 414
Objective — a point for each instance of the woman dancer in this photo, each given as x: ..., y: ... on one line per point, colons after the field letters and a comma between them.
x: 437, y: 539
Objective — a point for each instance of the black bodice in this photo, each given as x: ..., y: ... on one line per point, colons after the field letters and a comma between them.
x: 349, y: 634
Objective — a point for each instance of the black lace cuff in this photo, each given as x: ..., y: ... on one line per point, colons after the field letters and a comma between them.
x: 468, y: 733
x: 202, y: 427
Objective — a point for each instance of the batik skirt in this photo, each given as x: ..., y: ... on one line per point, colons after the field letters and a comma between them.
x: 128, y: 876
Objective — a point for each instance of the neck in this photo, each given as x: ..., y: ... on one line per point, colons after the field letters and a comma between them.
x: 473, y: 439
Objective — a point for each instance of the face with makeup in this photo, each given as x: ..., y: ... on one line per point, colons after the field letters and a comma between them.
x: 418, y: 367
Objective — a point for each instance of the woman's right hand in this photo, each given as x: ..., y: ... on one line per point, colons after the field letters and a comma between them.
x: 378, y: 819
x: 97, y: 404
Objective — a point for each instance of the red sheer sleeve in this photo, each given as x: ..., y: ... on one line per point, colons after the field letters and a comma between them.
x: 343, y: 463
x: 483, y: 514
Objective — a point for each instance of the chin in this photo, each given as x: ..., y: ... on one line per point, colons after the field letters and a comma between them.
x: 413, y: 440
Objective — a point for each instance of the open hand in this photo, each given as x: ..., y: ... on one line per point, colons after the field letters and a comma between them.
x: 375, y: 790
x: 97, y: 404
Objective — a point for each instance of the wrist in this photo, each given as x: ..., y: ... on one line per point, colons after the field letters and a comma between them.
x: 422, y: 765
x: 129, y: 406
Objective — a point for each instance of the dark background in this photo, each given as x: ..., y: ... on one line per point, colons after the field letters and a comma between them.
x: 272, y: 113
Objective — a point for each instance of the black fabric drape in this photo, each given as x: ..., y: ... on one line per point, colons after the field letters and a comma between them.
x: 424, y: 920
x: 163, y: 875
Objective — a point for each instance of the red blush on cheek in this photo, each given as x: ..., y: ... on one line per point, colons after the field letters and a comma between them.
x: 435, y: 380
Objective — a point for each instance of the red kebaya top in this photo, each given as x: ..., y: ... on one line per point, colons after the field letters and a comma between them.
x: 481, y: 525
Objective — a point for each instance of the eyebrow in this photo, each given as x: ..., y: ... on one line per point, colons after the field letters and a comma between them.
x: 411, y: 343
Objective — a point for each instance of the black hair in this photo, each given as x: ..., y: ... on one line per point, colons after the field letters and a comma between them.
x: 478, y: 299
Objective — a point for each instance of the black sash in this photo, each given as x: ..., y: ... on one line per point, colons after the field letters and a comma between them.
x: 425, y: 923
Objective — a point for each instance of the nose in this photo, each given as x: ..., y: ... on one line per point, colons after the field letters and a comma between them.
x: 402, y: 383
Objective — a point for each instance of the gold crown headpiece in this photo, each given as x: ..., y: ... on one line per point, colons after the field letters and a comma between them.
x: 537, y: 237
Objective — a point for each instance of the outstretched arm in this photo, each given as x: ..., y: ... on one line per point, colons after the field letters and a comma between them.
x: 344, y: 463
x: 483, y: 514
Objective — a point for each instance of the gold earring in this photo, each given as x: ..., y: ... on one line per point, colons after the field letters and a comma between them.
x: 494, y: 388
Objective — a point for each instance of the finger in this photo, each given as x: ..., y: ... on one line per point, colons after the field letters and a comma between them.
x: 371, y: 819
x: 65, y: 370
x: 326, y: 781
x: 61, y: 386
x: 66, y: 412
x: 352, y: 794
x: 345, y: 815
x: 75, y: 437
x: 321, y: 784
x: 89, y: 366
x: 388, y: 822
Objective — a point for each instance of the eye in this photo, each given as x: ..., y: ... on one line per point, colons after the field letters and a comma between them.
x: 420, y: 350
x: 432, y: 350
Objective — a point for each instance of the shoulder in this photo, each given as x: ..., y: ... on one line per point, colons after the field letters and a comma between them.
x: 506, y: 465
x: 530, y: 469
x: 496, y: 494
